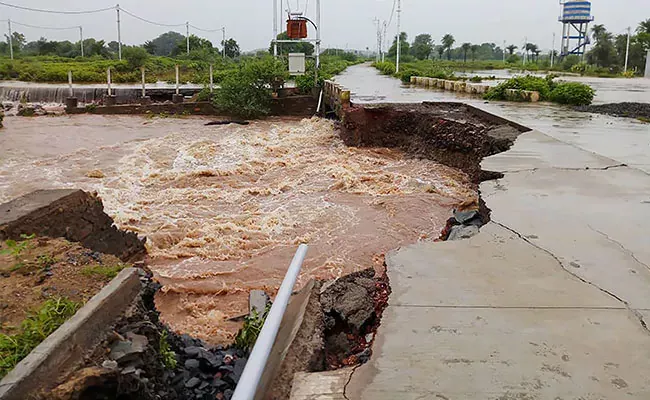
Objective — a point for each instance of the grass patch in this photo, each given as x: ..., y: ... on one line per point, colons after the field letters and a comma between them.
x: 104, y: 271
x: 166, y: 353
x: 33, y: 330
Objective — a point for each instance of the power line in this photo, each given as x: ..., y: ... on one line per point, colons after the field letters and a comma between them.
x: 44, y: 27
x: 392, y: 13
x: 206, y: 30
x: 149, y: 21
x: 56, y: 11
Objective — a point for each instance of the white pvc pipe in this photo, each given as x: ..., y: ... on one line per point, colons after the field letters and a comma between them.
x: 250, y: 379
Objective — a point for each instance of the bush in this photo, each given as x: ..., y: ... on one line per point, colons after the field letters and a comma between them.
x: 247, y: 93
x: 386, y: 68
x: 528, y: 82
x: 573, y: 93
x: 406, y: 74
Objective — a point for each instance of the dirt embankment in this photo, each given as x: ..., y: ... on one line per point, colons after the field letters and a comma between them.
x: 455, y: 135
x: 629, y: 110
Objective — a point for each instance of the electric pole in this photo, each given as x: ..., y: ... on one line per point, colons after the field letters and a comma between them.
x: 553, y: 51
x: 627, y: 50
x: 378, y: 37
x: 224, y: 42
x: 119, y: 33
x: 275, y: 28
x: 399, y: 33
x: 81, y: 36
x: 187, y: 38
x: 11, y: 42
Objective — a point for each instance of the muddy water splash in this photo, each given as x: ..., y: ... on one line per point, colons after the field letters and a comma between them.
x: 224, y: 208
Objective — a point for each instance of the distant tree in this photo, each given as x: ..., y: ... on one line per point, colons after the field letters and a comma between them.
x: 196, y: 43
x: 114, y: 46
x: 511, y: 49
x: 164, y: 44
x: 603, y: 53
x: 231, y: 48
x: 644, y: 27
x: 441, y: 51
x: 422, y: 46
x: 465, y: 47
x: 135, y: 56
x: 17, y: 40
x: 297, y: 47
x: 448, y: 41
x: 405, y: 47
x: 474, y: 49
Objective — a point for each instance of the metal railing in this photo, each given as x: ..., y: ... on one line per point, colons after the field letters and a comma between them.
x: 250, y: 379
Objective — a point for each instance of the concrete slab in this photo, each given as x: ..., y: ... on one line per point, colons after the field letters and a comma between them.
x: 494, y: 269
x: 594, y: 222
x: 320, y: 385
x: 535, y: 150
x: 504, y: 354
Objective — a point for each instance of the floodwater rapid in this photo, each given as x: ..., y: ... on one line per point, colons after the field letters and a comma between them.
x: 225, y: 207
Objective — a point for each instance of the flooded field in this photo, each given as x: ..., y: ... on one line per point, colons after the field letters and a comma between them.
x: 225, y: 207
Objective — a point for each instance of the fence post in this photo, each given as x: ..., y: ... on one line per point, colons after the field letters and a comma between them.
x: 70, y: 83
x: 109, y: 100
x: 144, y: 88
x: 177, y: 98
x: 71, y: 102
x: 108, y: 80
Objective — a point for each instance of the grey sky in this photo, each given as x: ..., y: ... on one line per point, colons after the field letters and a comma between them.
x: 345, y: 22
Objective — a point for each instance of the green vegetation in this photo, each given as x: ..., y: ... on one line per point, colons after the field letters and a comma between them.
x: 166, y: 353
x: 16, y: 249
x: 33, y: 330
x: 332, y: 63
x: 104, y: 271
x: 248, y: 334
x: 572, y: 93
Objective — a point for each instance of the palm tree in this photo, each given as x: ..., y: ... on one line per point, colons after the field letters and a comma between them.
x: 597, y: 32
x: 448, y: 41
x: 465, y: 47
x: 474, y: 50
x: 511, y: 49
x: 644, y: 27
x: 441, y: 51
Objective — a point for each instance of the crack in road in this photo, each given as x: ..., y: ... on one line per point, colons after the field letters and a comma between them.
x: 636, y: 313
x: 345, y: 387
x: 626, y: 250
x: 568, y: 169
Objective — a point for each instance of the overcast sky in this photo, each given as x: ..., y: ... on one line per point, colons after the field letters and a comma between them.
x: 345, y: 22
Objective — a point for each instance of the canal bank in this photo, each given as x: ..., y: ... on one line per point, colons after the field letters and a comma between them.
x: 549, y: 301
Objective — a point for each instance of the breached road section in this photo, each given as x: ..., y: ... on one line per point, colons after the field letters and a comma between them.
x: 548, y: 301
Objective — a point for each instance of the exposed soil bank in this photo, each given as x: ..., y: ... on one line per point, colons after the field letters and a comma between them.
x: 71, y: 214
x: 628, y: 110
x: 456, y: 135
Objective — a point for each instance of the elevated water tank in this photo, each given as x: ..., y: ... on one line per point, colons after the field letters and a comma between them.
x: 575, y: 11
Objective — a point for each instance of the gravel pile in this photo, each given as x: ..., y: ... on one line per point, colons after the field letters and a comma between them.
x: 629, y: 110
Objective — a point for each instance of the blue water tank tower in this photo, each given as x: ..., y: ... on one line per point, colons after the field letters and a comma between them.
x: 576, y: 16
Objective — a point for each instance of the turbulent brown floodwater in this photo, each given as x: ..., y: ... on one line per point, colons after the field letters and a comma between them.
x: 224, y: 208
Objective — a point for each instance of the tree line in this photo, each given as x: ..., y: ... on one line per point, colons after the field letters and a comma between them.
x: 170, y: 44
x: 423, y: 48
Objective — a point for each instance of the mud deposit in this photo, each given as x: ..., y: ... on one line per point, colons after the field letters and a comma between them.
x: 225, y: 207
x: 629, y: 110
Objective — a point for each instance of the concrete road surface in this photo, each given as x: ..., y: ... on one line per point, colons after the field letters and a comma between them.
x: 548, y: 302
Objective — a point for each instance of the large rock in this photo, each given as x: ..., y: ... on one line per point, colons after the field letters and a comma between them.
x: 72, y: 214
x: 351, y: 299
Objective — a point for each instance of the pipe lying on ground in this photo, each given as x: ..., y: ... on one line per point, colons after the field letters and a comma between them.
x: 250, y: 379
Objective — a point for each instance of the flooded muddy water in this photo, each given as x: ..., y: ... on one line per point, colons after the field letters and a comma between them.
x: 224, y: 208
x: 624, y: 140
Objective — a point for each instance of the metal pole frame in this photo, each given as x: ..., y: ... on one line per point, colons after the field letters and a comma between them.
x: 119, y: 33
x: 627, y: 50
x: 11, y: 41
x: 254, y: 369
x: 399, y: 34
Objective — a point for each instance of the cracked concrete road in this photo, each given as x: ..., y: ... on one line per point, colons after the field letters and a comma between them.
x: 548, y: 302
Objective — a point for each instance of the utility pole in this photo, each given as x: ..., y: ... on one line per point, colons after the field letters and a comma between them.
x: 81, y: 37
x: 11, y: 42
x: 399, y: 33
x: 224, y: 42
x: 187, y: 38
x: 384, y: 49
x: 318, y: 31
x: 378, y: 55
x: 119, y: 33
x: 627, y: 50
x: 504, y: 51
x: 553, y: 51
x: 275, y: 28
x: 525, y: 50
